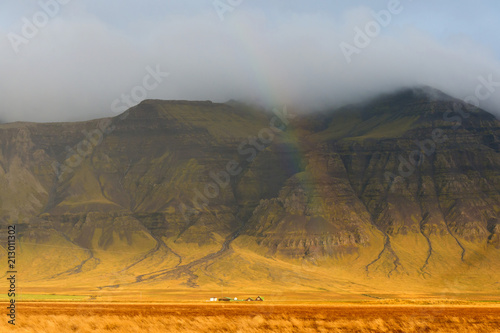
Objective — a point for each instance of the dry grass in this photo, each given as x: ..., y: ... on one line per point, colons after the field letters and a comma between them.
x: 87, y: 317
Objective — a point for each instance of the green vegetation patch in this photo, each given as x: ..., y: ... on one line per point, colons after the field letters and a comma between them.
x: 45, y: 297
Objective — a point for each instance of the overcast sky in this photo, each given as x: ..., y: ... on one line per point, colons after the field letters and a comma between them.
x: 86, y: 56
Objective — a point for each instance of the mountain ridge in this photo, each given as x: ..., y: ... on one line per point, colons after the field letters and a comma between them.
x: 311, y: 200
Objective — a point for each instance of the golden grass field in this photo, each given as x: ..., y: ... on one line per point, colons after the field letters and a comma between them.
x: 62, y: 317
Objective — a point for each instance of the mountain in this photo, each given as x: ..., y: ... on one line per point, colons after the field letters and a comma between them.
x: 400, y: 194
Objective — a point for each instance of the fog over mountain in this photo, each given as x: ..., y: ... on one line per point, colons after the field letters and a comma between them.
x: 84, y: 58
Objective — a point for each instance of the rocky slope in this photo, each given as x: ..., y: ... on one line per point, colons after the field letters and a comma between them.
x: 403, y: 190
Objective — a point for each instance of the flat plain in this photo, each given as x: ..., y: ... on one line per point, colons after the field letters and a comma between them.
x: 252, y: 317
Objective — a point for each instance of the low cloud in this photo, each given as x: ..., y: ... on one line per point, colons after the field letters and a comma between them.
x: 78, y: 64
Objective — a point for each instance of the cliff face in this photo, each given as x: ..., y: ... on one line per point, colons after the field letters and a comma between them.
x: 403, y: 188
